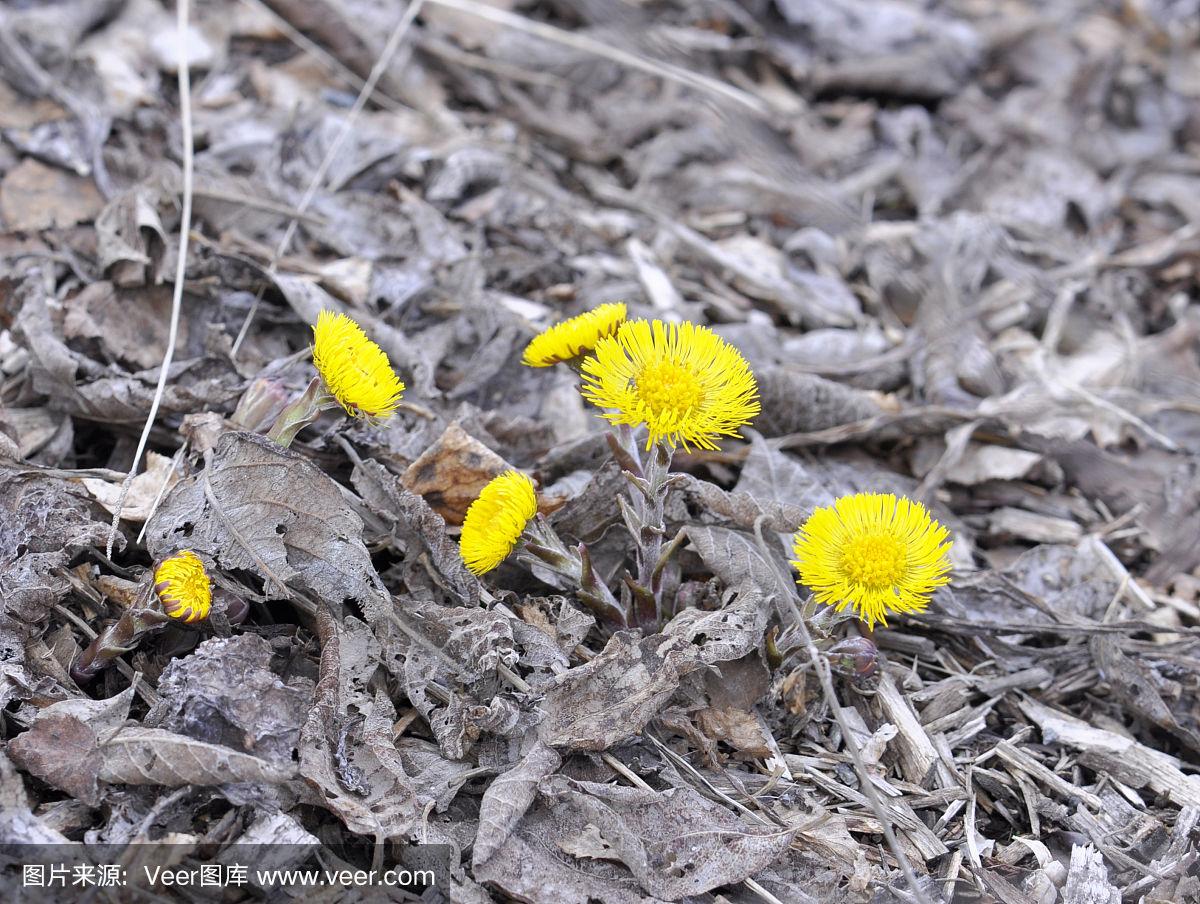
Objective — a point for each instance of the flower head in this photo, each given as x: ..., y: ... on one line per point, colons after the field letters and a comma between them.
x: 356, y: 371
x: 874, y: 553
x: 574, y: 337
x: 495, y: 521
x: 684, y: 382
x: 183, y: 586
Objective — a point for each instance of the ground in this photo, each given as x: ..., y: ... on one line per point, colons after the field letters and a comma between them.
x: 955, y: 241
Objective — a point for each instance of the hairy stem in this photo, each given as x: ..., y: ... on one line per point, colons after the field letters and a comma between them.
x: 301, y: 412
x: 649, y: 479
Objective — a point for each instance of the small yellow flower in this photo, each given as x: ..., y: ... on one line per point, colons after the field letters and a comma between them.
x: 356, y: 371
x: 572, y: 338
x: 495, y: 521
x: 684, y: 382
x: 183, y: 586
x: 874, y: 553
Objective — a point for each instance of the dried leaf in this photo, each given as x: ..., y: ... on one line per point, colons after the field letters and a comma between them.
x: 62, y: 751
x: 794, y: 402
x: 371, y: 796
x: 676, y: 843
x: 451, y: 473
x: 611, y: 698
x: 263, y: 508
x: 152, y: 756
x: 34, y: 196
x: 508, y: 797
x: 159, y: 476
x: 225, y: 693
x: 418, y: 527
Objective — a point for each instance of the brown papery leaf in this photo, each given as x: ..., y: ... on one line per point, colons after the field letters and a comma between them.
x: 62, y: 751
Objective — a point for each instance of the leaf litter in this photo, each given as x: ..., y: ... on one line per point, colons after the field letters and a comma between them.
x: 955, y: 242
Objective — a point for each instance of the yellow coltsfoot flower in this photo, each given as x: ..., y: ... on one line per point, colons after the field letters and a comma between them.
x: 574, y: 337
x: 873, y: 552
x: 683, y: 381
x: 495, y: 521
x: 183, y: 587
x: 355, y: 370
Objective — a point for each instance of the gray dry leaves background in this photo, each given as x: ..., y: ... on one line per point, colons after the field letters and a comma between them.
x: 958, y: 243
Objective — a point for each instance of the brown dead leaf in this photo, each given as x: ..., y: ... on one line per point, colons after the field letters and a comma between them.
x: 130, y: 234
x: 370, y: 793
x: 508, y: 797
x: 33, y: 428
x: 130, y: 325
x: 433, y: 564
x: 796, y: 402
x: 225, y: 693
x: 741, y: 730
x: 62, y: 747
x: 152, y: 756
x: 144, y: 490
x: 62, y: 751
x: 674, y: 843
x: 35, y: 196
x: 452, y: 472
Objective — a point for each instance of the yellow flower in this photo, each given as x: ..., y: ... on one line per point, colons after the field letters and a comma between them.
x: 356, y: 371
x: 684, y: 382
x: 874, y: 553
x: 574, y: 337
x: 495, y: 521
x: 183, y: 587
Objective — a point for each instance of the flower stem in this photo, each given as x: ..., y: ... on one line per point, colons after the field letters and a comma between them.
x: 122, y: 636
x: 649, y: 480
x: 544, y: 547
x: 301, y: 412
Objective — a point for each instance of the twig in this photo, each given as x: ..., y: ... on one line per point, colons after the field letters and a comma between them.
x: 381, y: 65
x: 185, y: 226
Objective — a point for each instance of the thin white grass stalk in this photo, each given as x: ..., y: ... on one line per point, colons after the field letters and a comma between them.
x: 380, y: 67
x: 185, y: 226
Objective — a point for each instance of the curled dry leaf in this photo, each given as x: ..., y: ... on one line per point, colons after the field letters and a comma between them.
x: 794, y: 402
x: 508, y: 797
x: 451, y: 657
x: 144, y: 490
x: 369, y: 794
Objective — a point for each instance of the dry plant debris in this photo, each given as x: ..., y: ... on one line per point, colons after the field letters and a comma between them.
x: 943, y: 252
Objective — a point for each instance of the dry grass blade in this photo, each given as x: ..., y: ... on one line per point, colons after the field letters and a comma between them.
x: 183, y: 63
